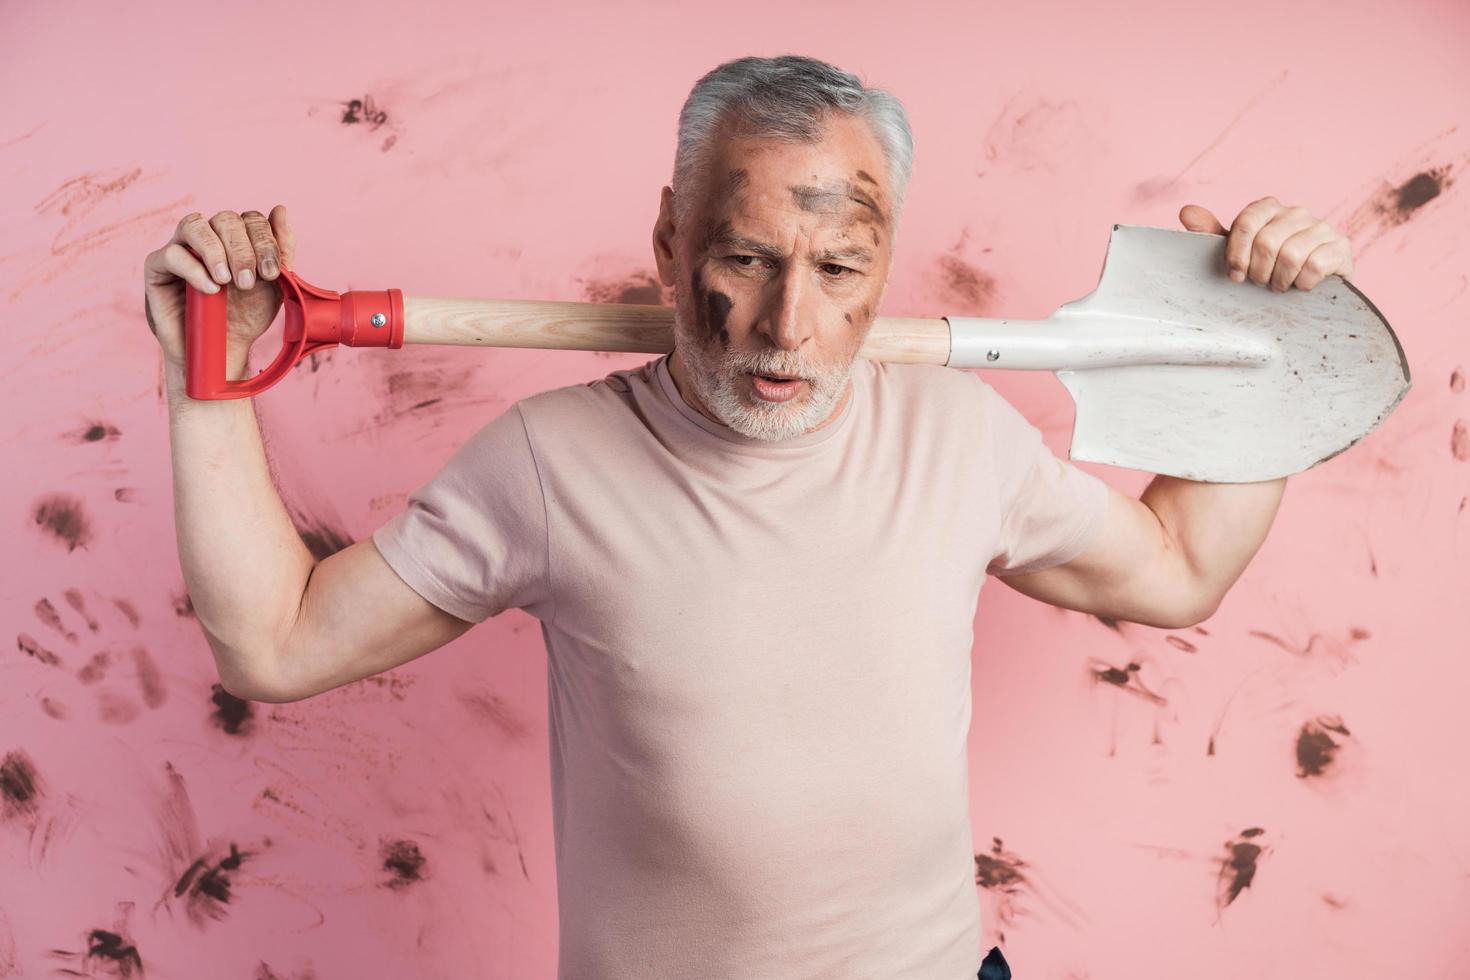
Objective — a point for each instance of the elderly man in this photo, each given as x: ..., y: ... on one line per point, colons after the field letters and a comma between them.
x: 755, y: 559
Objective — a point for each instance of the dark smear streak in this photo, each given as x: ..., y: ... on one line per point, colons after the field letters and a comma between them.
x: 74, y: 599
x: 47, y: 614
x: 63, y: 516
x: 1315, y: 747
x: 95, y: 668
x: 127, y: 609
x: 969, y: 288
x: 99, y: 431
x: 108, y: 945
x: 1238, y: 868
x: 233, y: 714
x: 203, y: 880
x: 18, y: 790
x: 323, y: 541
x: 369, y: 112
x: 639, y: 288
x: 1418, y: 191
x: 405, y: 860
x: 28, y: 645
x: 1125, y: 678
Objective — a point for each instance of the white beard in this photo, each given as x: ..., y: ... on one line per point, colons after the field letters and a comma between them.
x: 719, y: 379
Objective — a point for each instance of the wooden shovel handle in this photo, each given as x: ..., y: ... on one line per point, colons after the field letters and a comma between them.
x: 555, y: 325
x: 317, y: 318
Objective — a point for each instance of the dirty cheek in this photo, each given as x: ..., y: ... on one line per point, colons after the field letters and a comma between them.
x: 711, y: 310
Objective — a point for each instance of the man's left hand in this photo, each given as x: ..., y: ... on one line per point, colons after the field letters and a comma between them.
x: 1276, y: 244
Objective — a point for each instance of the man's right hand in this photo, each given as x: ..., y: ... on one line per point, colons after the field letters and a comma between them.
x: 242, y: 253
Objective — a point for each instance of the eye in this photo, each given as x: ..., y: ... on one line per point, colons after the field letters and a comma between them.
x: 843, y: 268
x: 736, y: 259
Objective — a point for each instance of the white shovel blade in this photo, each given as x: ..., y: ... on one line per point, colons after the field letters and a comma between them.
x: 1336, y: 372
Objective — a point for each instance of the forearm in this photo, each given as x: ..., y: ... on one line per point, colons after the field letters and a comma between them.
x: 243, y: 561
x: 1216, y: 527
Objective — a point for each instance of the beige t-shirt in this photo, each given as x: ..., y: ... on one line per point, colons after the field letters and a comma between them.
x: 758, y: 657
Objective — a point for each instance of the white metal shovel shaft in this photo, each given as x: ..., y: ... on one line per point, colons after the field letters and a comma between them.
x: 1068, y: 341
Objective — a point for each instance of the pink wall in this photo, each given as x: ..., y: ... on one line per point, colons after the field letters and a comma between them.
x: 401, y: 826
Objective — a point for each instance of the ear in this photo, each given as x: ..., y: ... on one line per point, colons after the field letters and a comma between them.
x: 663, y: 238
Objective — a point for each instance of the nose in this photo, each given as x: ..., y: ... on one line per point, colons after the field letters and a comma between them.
x: 788, y: 318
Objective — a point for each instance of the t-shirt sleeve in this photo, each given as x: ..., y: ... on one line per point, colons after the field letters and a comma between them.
x: 473, y: 539
x: 1051, y: 509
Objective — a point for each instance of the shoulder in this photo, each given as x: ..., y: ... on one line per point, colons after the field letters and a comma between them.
x: 924, y: 377
x: 924, y: 388
x: 586, y: 406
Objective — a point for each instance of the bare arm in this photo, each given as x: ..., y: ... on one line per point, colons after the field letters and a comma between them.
x: 356, y: 619
x: 243, y: 561
x: 282, y: 626
x: 1165, y: 559
x: 1169, y: 558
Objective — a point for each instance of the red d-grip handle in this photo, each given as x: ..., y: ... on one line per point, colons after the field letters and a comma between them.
x: 316, y: 318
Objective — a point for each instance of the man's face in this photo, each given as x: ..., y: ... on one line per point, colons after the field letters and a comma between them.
x: 780, y: 271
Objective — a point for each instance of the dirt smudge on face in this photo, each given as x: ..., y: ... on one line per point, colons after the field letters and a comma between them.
x: 711, y: 309
x: 835, y: 201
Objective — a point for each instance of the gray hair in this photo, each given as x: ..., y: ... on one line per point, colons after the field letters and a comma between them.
x: 784, y: 98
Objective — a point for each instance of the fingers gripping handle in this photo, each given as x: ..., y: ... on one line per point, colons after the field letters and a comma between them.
x: 316, y: 318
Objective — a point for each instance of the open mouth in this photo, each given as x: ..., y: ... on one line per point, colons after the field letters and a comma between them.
x: 776, y: 388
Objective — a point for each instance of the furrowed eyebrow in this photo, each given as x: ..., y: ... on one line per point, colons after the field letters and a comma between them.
x: 754, y: 247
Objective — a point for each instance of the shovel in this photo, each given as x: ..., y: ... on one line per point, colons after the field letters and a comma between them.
x: 1174, y: 368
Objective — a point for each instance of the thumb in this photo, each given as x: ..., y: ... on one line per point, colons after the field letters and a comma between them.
x: 1196, y: 218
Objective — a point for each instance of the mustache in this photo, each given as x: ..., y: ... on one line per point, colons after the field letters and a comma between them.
x: 766, y: 365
